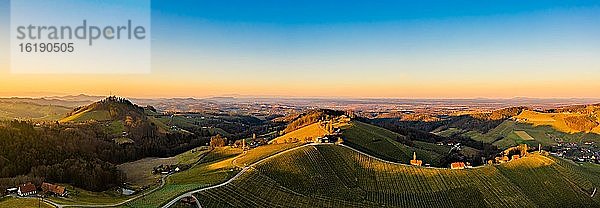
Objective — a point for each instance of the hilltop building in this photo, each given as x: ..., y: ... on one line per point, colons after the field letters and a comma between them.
x: 414, y: 161
x: 457, y: 165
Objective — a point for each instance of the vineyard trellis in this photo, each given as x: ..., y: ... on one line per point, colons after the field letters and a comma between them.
x: 337, y: 176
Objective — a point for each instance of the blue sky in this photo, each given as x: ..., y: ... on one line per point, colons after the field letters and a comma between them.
x: 381, y: 49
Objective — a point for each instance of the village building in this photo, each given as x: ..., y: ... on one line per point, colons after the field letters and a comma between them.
x: 457, y: 165
x: 11, y: 190
x: 515, y: 157
x: 26, y: 189
x: 54, y: 189
x: 414, y: 161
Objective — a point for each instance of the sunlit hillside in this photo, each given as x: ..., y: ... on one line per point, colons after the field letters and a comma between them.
x: 569, y: 122
x: 335, y: 176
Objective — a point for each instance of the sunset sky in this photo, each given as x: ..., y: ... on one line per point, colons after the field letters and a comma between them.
x: 431, y: 49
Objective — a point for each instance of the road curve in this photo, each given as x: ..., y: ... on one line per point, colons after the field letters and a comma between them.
x: 175, y: 200
x: 162, y: 183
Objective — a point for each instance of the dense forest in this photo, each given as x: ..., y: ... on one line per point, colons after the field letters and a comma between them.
x: 81, y: 154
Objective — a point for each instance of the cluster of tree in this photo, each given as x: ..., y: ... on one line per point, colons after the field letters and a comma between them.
x: 11, y: 182
x: 406, y: 141
x: 82, y: 154
x: 481, y: 122
x: 470, y: 123
x: 218, y: 141
x: 93, y: 174
x: 501, y: 113
x: 581, y: 123
x: 311, y: 117
x: 236, y: 126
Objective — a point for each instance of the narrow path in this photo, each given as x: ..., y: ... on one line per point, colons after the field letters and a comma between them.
x: 190, y: 193
x: 244, y: 169
x: 162, y: 183
x: 197, y: 202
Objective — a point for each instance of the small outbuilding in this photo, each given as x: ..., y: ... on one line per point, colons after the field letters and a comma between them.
x: 26, y: 189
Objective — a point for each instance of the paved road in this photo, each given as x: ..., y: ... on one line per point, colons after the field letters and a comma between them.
x: 190, y: 193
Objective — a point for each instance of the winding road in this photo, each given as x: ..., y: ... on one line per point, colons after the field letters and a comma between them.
x: 190, y: 193
x: 162, y: 183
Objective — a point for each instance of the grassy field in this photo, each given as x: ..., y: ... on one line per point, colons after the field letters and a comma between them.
x: 216, y: 167
x: 262, y: 152
x: 307, y: 133
x: 87, y: 115
x: 11, y: 202
x: 30, y: 111
x: 139, y: 173
x: 524, y: 135
x: 185, y: 122
x: 80, y: 196
x: 334, y: 176
x: 506, y: 135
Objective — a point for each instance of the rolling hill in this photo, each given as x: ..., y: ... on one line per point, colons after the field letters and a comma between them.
x: 336, y: 176
x: 111, y: 108
x: 307, y: 133
x: 565, y: 121
x: 513, y: 126
x: 384, y: 143
x: 10, y: 110
x: 369, y: 138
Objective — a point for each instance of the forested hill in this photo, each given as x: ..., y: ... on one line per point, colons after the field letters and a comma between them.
x: 84, y: 154
x: 110, y: 108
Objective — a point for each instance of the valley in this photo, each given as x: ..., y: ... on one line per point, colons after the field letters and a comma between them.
x: 316, y: 157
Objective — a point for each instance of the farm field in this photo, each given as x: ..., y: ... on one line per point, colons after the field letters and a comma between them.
x: 81, y: 196
x: 97, y: 115
x: 11, y: 202
x: 216, y: 167
x: 524, y: 135
x: 505, y: 135
x: 335, y: 176
x: 139, y: 173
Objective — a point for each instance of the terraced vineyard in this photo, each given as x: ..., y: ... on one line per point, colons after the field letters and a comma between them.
x: 217, y: 167
x: 336, y: 176
x: 382, y: 143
